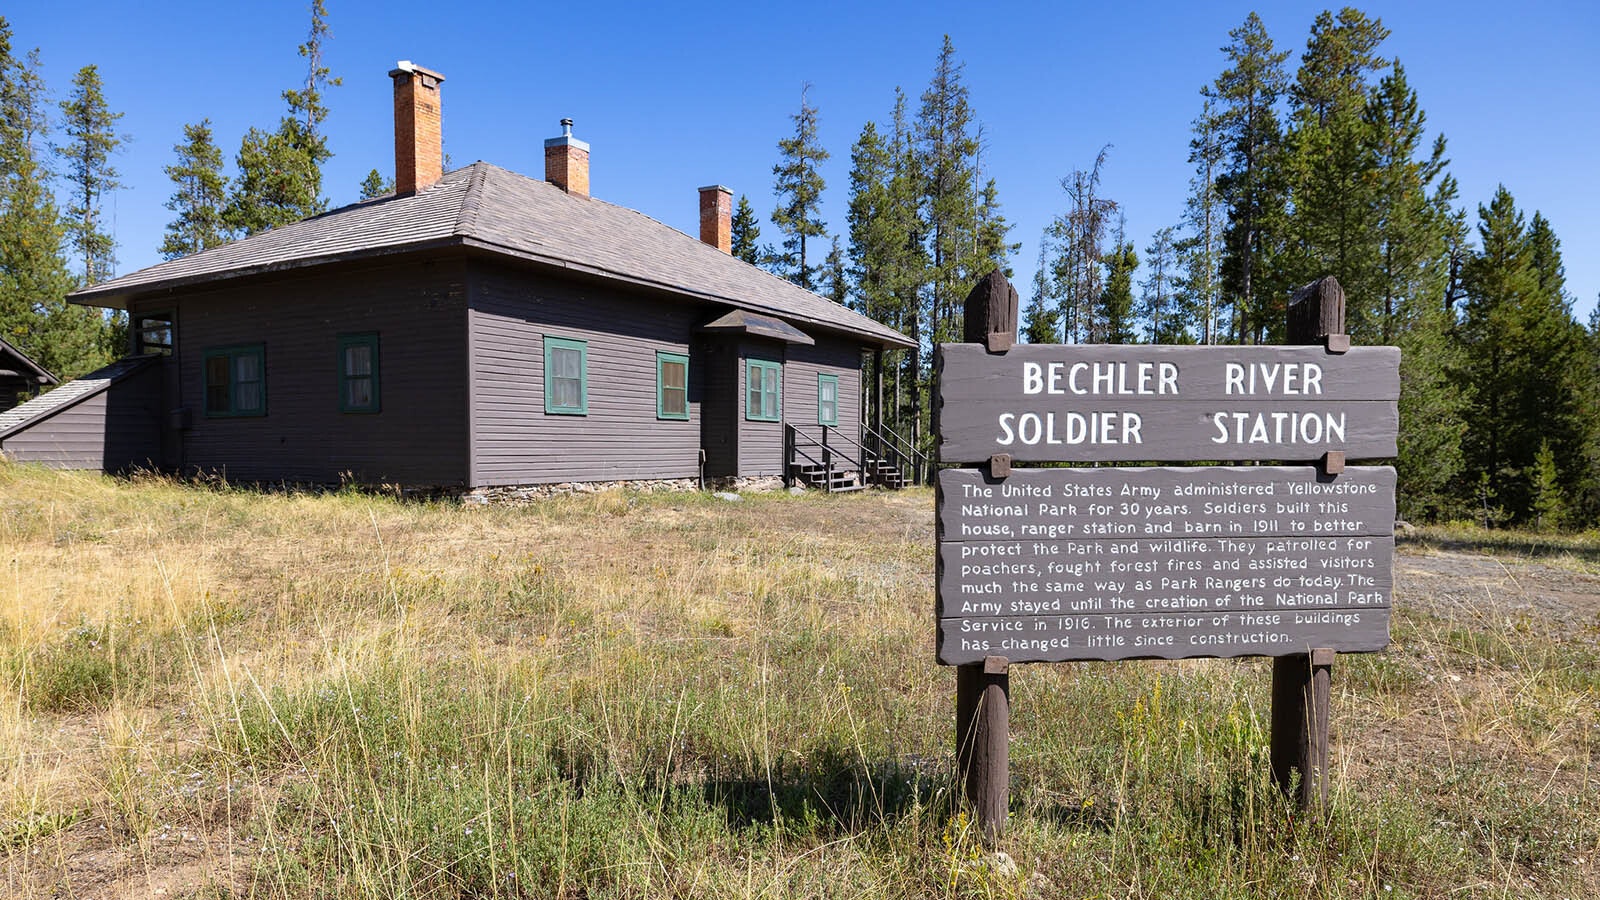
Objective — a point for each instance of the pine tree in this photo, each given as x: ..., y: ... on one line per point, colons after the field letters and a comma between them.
x: 1159, y: 309
x: 1330, y: 162
x: 1521, y: 353
x: 799, y: 188
x: 1041, y: 323
x: 888, y: 257
x: 1116, y: 301
x: 746, y: 232
x: 836, y: 276
x: 1245, y: 98
x: 1204, y: 218
x: 34, y: 280
x: 1077, y: 243
x: 91, y: 130
x: 199, y: 192
x: 375, y: 185
x: 280, y: 172
x: 1432, y: 418
x: 1410, y: 226
x: 946, y: 151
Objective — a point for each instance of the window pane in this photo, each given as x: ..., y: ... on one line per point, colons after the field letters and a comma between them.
x: 218, y: 392
x: 247, y: 396
x: 752, y: 400
x: 358, y: 360
x: 672, y: 375
x: 564, y: 362
x: 565, y: 392
x: 358, y: 392
x: 247, y: 367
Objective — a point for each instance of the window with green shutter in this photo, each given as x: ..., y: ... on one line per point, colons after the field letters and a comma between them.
x: 672, y: 386
x: 566, y: 377
x: 763, y: 391
x: 358, y: 373
x: 827, y: 400
x: 233, y: 381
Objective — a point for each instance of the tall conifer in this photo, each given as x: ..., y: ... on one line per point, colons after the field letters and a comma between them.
x: 799, y: 188
x: 92, y: 137
x: 199, y: 192
x: 746, y: 232
x: 280, y: 171
x: 1245, y: 98
x: 34, y: 280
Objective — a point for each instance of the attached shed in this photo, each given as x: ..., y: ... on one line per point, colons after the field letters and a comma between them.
x: 106, y: 420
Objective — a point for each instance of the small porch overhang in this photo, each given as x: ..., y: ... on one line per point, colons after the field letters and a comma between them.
x: 742, y: 321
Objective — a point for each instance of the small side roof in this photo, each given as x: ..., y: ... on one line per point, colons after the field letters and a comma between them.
x: 16, y: 364
x: 744, y: 322
x: 491, y: 209
x: 70, y: 394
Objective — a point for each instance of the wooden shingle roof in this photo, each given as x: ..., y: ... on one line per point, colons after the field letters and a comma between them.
x: 70, y: 394
x: 489, y: 208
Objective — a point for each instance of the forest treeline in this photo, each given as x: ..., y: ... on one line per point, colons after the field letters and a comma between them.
x: 57, y: 172
x: 1320, y: 165
x: 1303, y: 165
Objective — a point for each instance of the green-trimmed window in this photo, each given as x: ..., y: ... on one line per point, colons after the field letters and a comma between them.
x: 827, y: 400
x: 763, y: 391
x: 672, y: 386
x: 566, y: 377
x: 234, y: 381
x: 358, y: 373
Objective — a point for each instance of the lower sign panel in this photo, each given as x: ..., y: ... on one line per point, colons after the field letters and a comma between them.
x: 1112, y: 636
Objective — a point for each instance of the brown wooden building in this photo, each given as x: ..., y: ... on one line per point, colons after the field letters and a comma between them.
x: 483, y: 328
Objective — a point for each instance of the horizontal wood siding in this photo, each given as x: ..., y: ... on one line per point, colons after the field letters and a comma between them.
x: 619, y: 438
x: 828, y: 357
x: 419, y: 435
x: 761, y: 443
x: 113, y: 431
x: 74, y: 438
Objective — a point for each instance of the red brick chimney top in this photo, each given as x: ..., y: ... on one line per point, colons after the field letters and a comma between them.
x: 418, y: 130
x: 566, y: 162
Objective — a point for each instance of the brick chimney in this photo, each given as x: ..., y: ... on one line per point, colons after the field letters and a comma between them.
x: 566, y: 162
x: 418, y: 137
x: 716, y: 217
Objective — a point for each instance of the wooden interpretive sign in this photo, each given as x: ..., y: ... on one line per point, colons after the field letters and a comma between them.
x: 1049, y: 565
x: 1106, y: 403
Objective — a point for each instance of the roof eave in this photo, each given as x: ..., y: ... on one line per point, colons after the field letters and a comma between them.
x: 109, y: 296
x: 42, y: 375
x: 886, y: 341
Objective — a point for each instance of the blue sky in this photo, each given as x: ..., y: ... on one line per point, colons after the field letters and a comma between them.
x: 672, y: 97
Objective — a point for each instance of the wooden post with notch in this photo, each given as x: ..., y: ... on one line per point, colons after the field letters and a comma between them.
x: 1302, y: 682
x: 983, y: 690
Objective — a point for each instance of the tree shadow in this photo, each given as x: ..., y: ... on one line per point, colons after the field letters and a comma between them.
x: 834, y: 791
x: 1517, y: 543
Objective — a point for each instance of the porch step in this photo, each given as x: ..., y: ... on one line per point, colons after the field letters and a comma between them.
x: 817, y: 477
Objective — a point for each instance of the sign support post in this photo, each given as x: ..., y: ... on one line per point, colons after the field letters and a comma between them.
x: 983, y: 690
x: 1302, y: 683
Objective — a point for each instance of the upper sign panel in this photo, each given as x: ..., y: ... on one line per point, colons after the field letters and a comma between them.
x: 1103, y: 403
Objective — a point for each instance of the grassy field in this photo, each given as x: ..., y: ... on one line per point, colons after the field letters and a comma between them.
x: 215, y: 693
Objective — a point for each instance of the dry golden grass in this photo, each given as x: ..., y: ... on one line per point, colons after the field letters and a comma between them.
x: 212, y: 692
